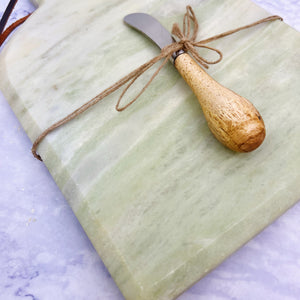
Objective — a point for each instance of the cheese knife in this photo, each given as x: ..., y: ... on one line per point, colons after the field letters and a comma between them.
x: 233, y: 120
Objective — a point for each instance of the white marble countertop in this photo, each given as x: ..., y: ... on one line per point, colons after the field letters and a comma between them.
x: 45, y: 254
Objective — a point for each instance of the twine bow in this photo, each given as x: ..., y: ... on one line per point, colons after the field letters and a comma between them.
x: 186, y: 42
x: 187, y: 38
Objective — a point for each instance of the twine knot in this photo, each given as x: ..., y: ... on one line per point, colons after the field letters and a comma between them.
x: 187, y: 38
x: 186, y: 41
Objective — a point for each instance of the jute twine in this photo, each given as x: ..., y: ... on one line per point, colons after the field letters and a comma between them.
x: 186, y: 42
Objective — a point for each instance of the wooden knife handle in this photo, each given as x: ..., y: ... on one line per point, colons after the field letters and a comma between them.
x: 233, y: 120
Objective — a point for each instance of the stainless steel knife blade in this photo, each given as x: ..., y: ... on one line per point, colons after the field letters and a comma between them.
x: 151, y: 28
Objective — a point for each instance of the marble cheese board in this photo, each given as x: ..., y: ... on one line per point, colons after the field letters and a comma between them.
x: 166, y: 203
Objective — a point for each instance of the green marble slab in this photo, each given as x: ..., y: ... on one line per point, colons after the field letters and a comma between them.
x: 161, y: 200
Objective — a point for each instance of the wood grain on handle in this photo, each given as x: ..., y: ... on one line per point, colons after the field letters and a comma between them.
x: 233, y: 120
